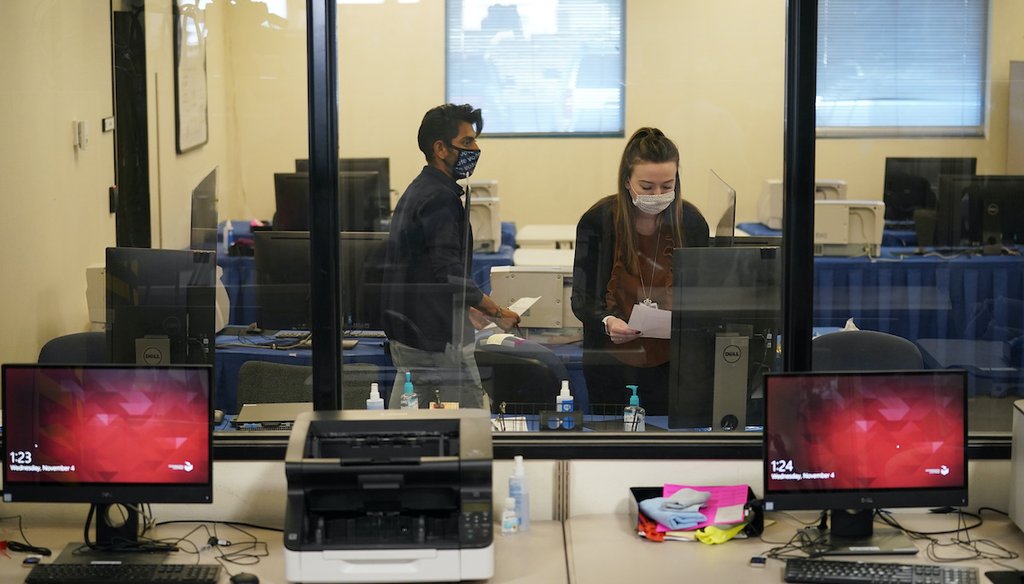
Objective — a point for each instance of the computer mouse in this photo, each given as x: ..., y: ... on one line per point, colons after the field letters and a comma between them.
x: 245, y: 578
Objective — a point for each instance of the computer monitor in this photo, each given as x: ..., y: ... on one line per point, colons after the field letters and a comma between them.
x: 380, y: 165
x: 855, y: 442
x: 161, y: 305
x: 282, y: 279
x: 980, y: 210
x: 364, y: 202
x: 995, y: 211
x: 291, y: 200
x: 726, y: 305
x: 912, y: 183
x: 108, y: 435
x: 204, y: 214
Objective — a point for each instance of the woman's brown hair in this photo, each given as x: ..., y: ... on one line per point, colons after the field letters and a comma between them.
x: 645, y: 145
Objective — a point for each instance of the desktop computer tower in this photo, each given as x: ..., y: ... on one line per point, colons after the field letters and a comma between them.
x: 1017, y: 466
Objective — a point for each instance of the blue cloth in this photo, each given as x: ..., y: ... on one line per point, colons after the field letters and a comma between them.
x: 674, y: 520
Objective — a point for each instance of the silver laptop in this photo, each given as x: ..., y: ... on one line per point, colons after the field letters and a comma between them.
x: 272, y: 414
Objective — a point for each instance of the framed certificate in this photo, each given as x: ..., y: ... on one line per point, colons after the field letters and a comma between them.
x: 190, y: 97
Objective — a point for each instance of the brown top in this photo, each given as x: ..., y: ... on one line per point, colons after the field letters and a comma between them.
x: 654, y: 282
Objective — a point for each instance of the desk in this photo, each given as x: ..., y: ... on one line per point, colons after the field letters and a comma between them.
x: 544, y: 545
x: 535, y: 256
x: 240, y: 271
x: 232, y: 351
x: 561, y: 236
x: 605, y: 548
x: 963, y: 297
x: 989, y: 371
x: 890, y: 237
x: 240, y: 280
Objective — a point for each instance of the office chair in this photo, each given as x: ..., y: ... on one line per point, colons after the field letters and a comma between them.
x: 864, y: 351
x: 526, y: 376
x: 267, y: 382
x: 83, y: 348
x: 355, y: 385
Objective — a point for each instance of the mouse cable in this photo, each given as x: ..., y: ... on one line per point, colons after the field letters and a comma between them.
x: 24, y: 545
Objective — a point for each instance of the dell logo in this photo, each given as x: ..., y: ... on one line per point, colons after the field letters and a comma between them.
x: 732, y: 354
x: 152, y: 356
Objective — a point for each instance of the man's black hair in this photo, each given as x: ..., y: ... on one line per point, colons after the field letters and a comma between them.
x: 442, y: 123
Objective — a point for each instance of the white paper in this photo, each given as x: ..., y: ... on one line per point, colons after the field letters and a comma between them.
x: 519, y: 307
x: 653, y: 323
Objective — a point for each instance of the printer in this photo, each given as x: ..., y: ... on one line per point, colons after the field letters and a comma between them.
x: 389, y: 496
x: 848, y: 228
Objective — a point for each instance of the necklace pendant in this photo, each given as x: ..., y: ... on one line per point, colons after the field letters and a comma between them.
x: 649, y: 302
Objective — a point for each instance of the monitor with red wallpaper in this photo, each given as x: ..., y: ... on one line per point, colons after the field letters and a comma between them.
x: 856, y: 442
x: 120, y: 435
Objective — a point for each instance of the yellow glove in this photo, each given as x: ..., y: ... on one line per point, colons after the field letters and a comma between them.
x: 712, y: 535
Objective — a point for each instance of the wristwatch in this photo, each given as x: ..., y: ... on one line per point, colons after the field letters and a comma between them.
x: 604, y: 321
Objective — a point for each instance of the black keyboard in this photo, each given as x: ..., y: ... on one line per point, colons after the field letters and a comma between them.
x: 845, y: 572
x: 123, y: 573
x: 364, y: 334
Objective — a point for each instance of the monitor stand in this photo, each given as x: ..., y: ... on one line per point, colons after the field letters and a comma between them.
x: 852, y: 533
x: 116, y: 539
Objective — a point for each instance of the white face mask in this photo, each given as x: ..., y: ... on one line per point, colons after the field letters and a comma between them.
x: 654, y: 204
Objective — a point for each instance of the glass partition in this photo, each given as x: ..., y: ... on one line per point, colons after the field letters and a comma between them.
x: 920, y: 249
x: 908, y: 239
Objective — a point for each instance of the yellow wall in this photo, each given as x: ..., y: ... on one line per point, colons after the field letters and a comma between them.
x: 710, y: 74
x: 55, y: 69
x: 173, y: 175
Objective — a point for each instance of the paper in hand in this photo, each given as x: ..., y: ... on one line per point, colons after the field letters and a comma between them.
x: 519, y: 307
x: 653, y: 323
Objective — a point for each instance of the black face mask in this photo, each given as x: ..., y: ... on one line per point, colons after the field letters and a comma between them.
x: 465, y: 163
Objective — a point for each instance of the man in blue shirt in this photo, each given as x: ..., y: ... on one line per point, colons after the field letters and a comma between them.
x: 429, y: 297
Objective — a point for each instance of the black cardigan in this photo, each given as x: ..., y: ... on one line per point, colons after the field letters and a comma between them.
x: 595, y: 257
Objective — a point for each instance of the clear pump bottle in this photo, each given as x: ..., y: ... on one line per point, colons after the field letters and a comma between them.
x: 633, y: 414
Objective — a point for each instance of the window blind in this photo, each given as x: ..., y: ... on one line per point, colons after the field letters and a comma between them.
x: 901, y: 67
x: 538, y: 66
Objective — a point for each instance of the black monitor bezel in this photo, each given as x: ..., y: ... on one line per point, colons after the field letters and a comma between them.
x: 929, y: 168
x: 858, y: 499
x: 283, y: 289
x: 364, y: 200
x: 106, y: 493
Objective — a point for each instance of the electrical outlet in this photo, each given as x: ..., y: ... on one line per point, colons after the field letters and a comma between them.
x: 108, y: 124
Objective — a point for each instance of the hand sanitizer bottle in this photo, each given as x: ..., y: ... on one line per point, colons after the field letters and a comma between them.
x: 410, y: 401
x: 564, y: 401
x: 509, y: 521
x: 517, y: 490
x: 375, y: 402
x: 633, y: 414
